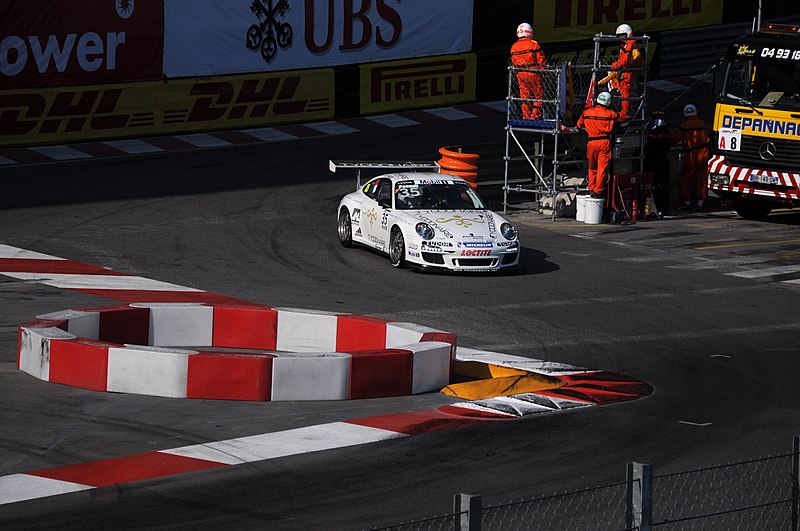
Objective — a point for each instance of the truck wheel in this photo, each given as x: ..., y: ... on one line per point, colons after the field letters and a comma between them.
x: 750, y: 208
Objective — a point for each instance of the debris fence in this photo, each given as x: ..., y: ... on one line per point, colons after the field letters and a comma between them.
x: 757, y: 494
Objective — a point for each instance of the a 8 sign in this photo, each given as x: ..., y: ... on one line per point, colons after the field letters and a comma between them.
x: 729, y: 139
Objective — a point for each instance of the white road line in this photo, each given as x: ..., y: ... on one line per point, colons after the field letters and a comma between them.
x: 392, y: 120
x: 268, y: 134
x: 723, y: 262
x: 19, y: 487
x: 60, y: 152
x: 285, y: 443
x: 4, y: 161
x: 69, y: 281
x: 451, y: 113
x: 133, y: 147
x: 766, y: 272
x: 203, y: 140
x: 7, y: 251
x: 500, y: 105
x: 333, y: 128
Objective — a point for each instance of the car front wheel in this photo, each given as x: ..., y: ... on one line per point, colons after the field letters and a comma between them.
x: 345, y: 228
x: 397, y: 248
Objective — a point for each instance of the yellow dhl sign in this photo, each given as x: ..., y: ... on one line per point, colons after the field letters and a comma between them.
x: 93, y: 112
x: 770, y: 123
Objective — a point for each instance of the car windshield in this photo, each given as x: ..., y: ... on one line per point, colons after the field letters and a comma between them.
x: 764, y: 83
x: 442, y: 195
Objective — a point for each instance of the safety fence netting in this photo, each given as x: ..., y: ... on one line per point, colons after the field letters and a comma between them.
x: 555, y: 97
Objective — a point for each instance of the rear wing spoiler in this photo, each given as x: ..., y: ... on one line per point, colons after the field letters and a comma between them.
x: 359, y: 165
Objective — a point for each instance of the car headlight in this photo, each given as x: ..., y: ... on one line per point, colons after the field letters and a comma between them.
x: 508, y: 231
x: 425, y: 231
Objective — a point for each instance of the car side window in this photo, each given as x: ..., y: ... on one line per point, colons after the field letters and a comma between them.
x: 371, y: 189
x: 384, y: 194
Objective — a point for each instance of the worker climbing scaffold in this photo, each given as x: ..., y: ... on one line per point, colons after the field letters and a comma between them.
x: 545, y: 154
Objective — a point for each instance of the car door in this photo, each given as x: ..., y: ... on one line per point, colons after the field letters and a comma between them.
x: 375, y: 218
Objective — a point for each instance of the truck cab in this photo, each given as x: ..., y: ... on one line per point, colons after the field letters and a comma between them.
x: 755, y: 158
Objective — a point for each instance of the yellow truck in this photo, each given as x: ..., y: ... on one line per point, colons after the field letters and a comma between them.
x: 755, y: 159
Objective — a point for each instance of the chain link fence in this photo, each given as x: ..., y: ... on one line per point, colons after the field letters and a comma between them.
x: 750, y: 495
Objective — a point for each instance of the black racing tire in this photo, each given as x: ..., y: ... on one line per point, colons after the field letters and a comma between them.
x: 397, y: 248
x: 345, y: 228
x: 750, y: 208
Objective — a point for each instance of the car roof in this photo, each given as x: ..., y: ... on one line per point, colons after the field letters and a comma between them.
x: 423, y: 176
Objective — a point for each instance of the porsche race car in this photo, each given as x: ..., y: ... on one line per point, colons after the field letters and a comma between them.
x: 428, y: 221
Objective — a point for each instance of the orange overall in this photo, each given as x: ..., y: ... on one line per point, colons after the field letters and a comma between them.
x: 526, y: 53
x: 629, y: 57
x: 598, y: 122
x: 694, y: 172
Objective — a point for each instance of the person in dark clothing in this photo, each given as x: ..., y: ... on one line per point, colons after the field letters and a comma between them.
x: 656, y: 157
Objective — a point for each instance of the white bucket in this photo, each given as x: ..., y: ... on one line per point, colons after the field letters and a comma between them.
x: 594, y: 210
x: 580, y: 208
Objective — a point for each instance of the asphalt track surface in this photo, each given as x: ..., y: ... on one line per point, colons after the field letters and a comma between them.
x: 691, y: 304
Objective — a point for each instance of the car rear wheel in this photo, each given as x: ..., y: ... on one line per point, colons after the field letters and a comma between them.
x: 397, y: 248
x: 345, y: 228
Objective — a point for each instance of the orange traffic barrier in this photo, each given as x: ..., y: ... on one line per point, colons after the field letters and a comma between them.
x: 464, y: 165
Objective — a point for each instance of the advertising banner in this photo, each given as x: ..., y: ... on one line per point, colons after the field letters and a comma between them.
x: 211, y: 37
x: 414, y: 83
x: 80, y: 42
x: 69, y: 114
x: 572, y: 20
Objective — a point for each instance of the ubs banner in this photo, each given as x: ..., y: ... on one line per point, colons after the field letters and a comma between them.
x: 270, y: 35
x: 571, y: 20
x: 153, y: 107
x: 57, y: 43
x: 414, y: 83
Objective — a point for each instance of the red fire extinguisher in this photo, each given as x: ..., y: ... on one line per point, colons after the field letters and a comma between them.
x: 635, y: 208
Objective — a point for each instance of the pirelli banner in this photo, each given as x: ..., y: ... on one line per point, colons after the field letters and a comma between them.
x: 67, y: 114
x: 572, y: 20
x: 415, y: 83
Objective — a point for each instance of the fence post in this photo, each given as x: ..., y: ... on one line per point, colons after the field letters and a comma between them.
x: 639, y: 513
x: 468, y: 512
x: 796, y: 483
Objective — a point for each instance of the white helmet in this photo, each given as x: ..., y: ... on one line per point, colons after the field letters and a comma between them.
x: 689, y: 110
x: 524, y: 30
x: 624, y: 28
x: 604, y: 99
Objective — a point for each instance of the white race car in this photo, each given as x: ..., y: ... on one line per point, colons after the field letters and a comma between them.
x: 428, y: 221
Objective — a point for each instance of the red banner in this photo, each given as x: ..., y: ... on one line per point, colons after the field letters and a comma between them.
x: 81, y: 42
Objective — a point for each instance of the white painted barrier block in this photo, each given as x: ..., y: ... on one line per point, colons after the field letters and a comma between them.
x: 82, y: 324
x: 403, y: 333
x: 34, y: 352
x: 431, y: 366
x: 174, y: 324
x: 302, y: 330
x: 551, y: 368
x: 310, y: 376
x: 148, y: 370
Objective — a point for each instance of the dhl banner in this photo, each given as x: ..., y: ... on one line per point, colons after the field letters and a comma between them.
x: 415, y: 83
x: 572, y: 20
x: 65, y: 114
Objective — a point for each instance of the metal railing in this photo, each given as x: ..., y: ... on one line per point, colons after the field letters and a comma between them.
x: 756, y: 494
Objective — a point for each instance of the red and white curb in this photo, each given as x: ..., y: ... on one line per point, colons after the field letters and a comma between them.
x: 582, y: 387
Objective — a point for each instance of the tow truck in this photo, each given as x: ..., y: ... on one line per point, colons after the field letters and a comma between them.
x: 755, y: 160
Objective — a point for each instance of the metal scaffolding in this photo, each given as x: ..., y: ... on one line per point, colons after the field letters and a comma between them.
x: 540, y: 130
